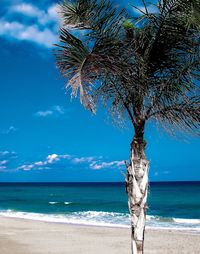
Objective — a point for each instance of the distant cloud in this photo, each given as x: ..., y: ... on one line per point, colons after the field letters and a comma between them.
x: 78, y: 160
x: 43, y: 31
x: 45, y: 164
x: 59, y: 109
x: 4, y: 153
x: 10, y: 130
x: 101, y: 165
x: 55, y: 161
x: 7, y: 160
x: 52, y: 158
x: 26, y: 167
x: 97, y: 162
x: 3, y: 162
x: 3, y: 165
x: 3, y: 168
x: 27, y: 9
x: 44, y: 113
x: 7, y: 153
x: 53, y: 111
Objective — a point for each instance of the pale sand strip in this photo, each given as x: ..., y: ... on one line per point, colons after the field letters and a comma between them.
x: 18, y: 236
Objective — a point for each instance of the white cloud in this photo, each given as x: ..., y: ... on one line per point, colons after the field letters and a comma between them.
x: 65, y: 156
x: 31, y: 33
x: 26, y: 167
x: 101, y: 165
x: 4, y: 152
x: 77, y: 160
x: 44, y: 113
x: 7, y: 160
x: 50, y: 159
x: 89, y: 162
x: 27, y: 9
x: 43, y: 31
x: 44, y: 37
x: 53, y: 11
x: 7, y: 153
x: 3, y: 162
x: 43, y: 17
x: 58, y: 109
x: 11, y: 129
x: 53, y: 111
x: 3, y: 168
x: 39, y: 163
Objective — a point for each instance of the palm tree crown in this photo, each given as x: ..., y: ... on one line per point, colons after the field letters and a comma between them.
x: 144, y: 66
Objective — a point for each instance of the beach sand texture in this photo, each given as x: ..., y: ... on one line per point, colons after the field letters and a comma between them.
x: 19, y: 236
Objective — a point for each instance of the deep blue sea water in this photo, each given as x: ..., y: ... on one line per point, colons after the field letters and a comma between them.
x: 171, y: 204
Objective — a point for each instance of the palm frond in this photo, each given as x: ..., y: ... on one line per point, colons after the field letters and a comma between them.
x: 184, y: 115
x: 90, y: 14
x: 84, y: 65
x: 71, y: 57
x: 74, y: 13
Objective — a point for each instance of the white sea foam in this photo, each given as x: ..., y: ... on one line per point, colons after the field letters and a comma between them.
x: 80, y: 218
x: 187, y: 221
x: 109, y: 219
x: 67, y: 203
x: 54, y: 203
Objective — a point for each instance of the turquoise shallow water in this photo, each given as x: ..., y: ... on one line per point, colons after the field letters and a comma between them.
x: 171, y: 205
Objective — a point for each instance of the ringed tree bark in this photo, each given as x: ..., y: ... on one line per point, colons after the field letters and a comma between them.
x: 137, y: 188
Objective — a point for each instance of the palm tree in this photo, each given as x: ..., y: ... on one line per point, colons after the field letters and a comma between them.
x: 144, y: 66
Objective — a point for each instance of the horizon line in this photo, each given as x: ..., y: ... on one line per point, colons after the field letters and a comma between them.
x: 52, y: 182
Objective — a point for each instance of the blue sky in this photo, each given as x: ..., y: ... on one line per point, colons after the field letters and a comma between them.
x: 46, y: 136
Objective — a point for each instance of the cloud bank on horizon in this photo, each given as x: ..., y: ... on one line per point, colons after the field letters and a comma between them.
x: 27, y: 22
x: 55, y: 161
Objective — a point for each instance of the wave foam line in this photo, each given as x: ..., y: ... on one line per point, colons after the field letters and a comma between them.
x: 68, y: 219
x: 108, y: 219
x: 55, y: 203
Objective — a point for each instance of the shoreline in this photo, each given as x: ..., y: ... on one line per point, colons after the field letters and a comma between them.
x: 23, y: 236
x: 188, y: 230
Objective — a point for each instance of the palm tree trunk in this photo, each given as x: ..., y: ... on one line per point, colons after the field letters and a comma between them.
x: 137, y: 189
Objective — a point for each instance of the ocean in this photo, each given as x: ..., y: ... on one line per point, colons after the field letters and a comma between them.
x: 174, y: 205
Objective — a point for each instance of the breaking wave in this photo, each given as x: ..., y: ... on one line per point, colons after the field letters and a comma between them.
x: 109, y: 219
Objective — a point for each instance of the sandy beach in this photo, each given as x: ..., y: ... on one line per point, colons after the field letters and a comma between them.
x: 19, y: 236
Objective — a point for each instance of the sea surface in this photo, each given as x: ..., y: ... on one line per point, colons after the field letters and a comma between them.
x: 170, y: 204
